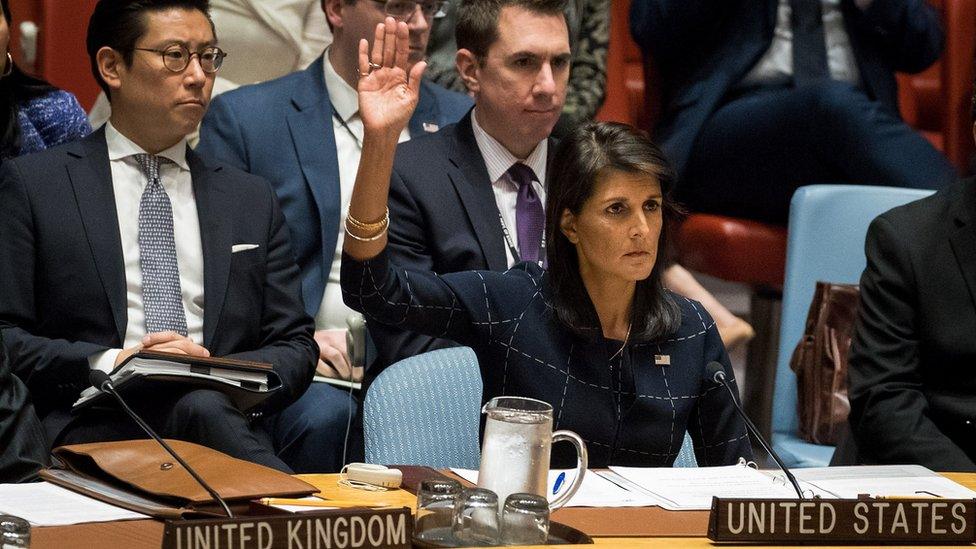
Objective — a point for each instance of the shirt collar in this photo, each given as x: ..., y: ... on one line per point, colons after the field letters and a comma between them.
x: 120, y: 147
x: 498, y: 159
x: 344, y: 98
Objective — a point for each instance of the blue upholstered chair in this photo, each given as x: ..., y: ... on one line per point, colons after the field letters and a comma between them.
x: 686, y: 456
x: 827, y: 227
x: 425, y: 410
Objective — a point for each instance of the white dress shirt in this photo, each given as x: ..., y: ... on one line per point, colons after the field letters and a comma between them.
x: 498, y: 160
x: 777, y: 62
x: 348, y: 129
x: 128, y: 184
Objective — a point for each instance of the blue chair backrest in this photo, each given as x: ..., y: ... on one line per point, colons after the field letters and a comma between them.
x: 827, y: 227
x: 686, y: 456
x: 425, y: 410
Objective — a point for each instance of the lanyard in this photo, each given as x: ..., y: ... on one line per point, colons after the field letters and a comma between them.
x: 335, y: 114
x: 514, y: 251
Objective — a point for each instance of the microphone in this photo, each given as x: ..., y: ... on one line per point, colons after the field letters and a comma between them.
x: 716, y: 374
x: 101, y: 381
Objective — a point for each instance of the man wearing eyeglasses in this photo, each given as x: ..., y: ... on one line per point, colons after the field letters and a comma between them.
x: 303, y: 133
x: 128, y: 241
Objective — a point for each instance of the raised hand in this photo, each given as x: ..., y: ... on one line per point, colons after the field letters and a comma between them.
x: 387, y: 91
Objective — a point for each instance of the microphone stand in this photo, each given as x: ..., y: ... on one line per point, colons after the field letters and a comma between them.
x: 103, y: 382
x: 719, y: 378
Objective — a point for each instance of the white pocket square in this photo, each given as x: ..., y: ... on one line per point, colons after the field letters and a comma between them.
x: 242, y: 248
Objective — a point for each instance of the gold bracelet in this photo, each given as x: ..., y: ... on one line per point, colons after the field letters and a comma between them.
x: 369, y: 227
x: 370, y: 235
x: 373, y: 238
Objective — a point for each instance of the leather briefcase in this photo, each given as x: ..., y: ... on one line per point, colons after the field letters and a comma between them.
x: 141, y: 476
x: 820, y: 362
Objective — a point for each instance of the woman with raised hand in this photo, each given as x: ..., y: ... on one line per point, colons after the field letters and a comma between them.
x: 621, y: 359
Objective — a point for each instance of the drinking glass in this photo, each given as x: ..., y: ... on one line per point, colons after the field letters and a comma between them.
x: 476, y: 518
x: 15, y: 532
x: 435, y: 509
x: 525, y: 520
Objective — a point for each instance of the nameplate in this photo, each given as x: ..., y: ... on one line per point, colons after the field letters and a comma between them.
x: 327, y: 529
x: 843, y: 521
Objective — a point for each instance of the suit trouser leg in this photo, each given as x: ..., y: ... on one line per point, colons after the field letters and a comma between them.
x: 756, y: 150
x: 23, y: 448
x: 310, y: 434
x: 201, y: 416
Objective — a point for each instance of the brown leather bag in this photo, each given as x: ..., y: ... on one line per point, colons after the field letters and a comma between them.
x: 141, y: 476
x: 820, y: 362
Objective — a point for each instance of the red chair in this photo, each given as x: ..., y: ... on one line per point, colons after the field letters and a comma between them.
x: 938, y: 101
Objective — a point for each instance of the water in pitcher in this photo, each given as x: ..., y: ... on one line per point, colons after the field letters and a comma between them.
x: 515, y: 454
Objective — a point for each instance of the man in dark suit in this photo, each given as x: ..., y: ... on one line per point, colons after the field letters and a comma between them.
x: 763, y: 96
x: 471, y: 196
x: 21, y: 435
x: 127, y: 240
x: 302, y: 132
x: 912, y: 386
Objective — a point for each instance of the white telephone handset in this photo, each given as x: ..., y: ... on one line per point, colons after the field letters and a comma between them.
x: 373, y: 474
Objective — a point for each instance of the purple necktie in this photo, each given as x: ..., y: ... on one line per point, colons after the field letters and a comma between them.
x: 529, y: 217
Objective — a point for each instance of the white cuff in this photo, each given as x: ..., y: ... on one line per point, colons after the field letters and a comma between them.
x: 104, y: 361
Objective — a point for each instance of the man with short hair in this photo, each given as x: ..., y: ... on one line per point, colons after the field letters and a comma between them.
x: 472, y: 195
x: 128, y: 241
x: 912, y: 386
x: 303, y: 133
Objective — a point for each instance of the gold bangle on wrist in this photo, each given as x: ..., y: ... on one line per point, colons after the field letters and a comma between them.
x: 370, y: 231
x: 373, y: 238
x: 369, y: 227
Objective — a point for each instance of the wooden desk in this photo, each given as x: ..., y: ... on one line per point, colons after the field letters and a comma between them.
x: 147, y: 534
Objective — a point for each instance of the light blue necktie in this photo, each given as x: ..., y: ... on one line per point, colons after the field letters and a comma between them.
x: 162, y: 297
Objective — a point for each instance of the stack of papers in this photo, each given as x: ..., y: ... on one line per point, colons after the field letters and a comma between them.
x: 44, y: 504
x: 692, y: 488
x: 913, y: 481
x: 688, y: 489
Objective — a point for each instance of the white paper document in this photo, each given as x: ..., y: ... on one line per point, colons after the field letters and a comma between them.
x: 682, y: 489
x: 44, y: 504
x: 303, y: 508
x: 595, y: 491
x: 883, y: 480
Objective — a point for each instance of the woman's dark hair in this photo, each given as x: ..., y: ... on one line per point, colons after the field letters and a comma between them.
x: 118, y: 24
x: 15, y: 88
x: 587, y: 154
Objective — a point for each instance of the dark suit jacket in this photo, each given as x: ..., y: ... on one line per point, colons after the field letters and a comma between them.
x: 282, y: 131
x: 443, y: 218
x: 703, y: 48
x: 912, y: 377
x: 628, y: 408
x: 63, y: 296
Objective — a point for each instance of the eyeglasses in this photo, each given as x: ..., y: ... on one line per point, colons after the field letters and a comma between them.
x: 177, y: 57
x: 404, y: 10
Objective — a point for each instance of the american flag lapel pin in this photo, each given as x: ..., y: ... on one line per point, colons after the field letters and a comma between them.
x: 430, y: 127
x: 662, y: 360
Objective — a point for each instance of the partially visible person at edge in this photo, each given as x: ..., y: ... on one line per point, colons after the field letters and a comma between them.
x: 34, y: 114
x: 621, y: 359
x: 910, y: 372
